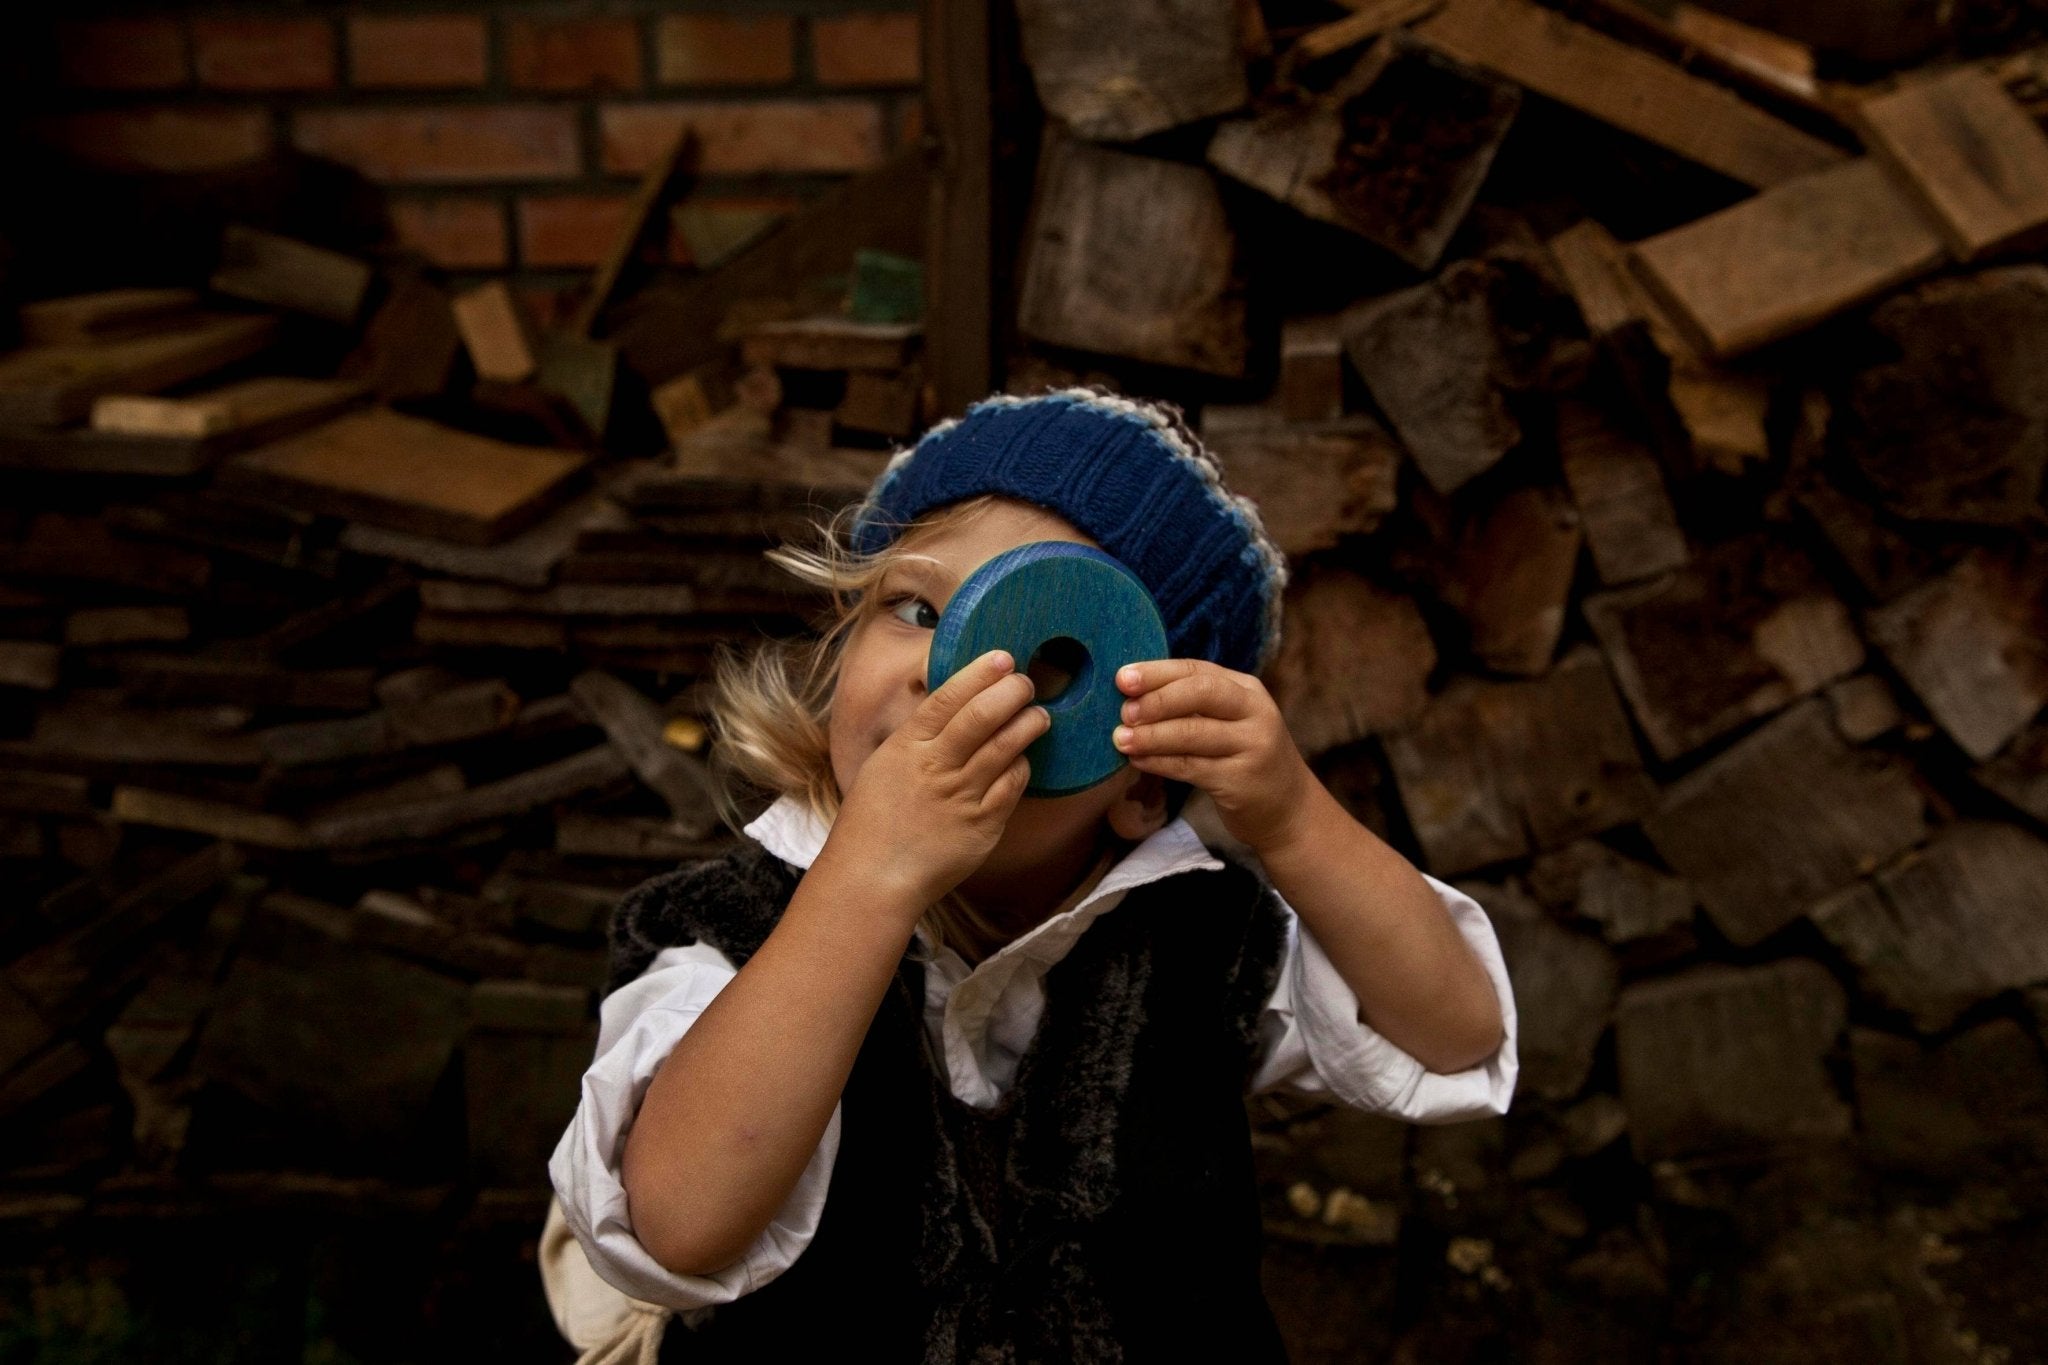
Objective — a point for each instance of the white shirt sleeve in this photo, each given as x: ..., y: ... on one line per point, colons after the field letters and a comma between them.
x: 1315, y: 1044
x: 640, y: 1023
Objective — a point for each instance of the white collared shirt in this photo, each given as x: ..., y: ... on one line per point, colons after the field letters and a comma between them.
x: 981, y: 1018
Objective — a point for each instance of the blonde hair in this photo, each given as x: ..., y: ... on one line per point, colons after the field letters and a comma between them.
x: 771, y: 705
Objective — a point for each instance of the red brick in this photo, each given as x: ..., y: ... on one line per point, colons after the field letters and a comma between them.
x: 123, y: 54
x: 453, y: 233
x: 569, y: 229
x: 418, y: 52
x: 742, y: 137
x: 572, y: 54
x: 866, y: 49
x: 189, y: 138
x: 724, y: 49
x: 264, y: 54
x: 460, y: 144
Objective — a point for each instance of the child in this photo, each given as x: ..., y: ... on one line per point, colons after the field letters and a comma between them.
x: 933, y: 1071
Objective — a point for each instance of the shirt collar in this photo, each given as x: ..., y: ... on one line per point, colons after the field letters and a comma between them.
x: 789, y: 830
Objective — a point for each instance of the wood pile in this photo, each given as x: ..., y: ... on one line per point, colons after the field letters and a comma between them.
x: 339, y: 705
x: 1657, y: 430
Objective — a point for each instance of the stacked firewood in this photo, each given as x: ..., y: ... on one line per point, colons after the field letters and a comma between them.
x: 1669, y: 573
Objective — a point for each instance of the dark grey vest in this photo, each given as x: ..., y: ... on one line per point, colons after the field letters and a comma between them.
x: 1104, y: 1210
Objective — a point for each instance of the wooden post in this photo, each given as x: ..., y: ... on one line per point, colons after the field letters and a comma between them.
x: 959, y: 132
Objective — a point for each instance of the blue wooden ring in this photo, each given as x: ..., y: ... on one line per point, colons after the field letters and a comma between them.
x: 1078, y: 607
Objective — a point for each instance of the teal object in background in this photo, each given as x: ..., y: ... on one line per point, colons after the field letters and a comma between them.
x: 1070, y: 616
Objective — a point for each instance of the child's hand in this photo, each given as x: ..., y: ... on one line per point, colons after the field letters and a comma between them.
x: 1194, y: 721
x: 929, y: 804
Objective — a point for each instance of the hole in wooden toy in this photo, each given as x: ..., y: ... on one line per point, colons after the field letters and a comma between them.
x: 1056, y: 666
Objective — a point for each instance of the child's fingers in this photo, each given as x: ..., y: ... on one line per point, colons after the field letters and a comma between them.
x: 980, y: 717
x: 936, y: 711
x: 1202, y: 693
x: 1006, y: 746
x: 1192, y: 736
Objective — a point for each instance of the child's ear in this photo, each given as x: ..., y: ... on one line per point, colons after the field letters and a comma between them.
x: 1140, y: 811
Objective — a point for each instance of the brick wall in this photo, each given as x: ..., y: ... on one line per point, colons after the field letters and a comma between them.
x: 507, y: 137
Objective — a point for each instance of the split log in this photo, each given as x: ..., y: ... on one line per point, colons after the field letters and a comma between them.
x: 1492, y: 771
x: 1564, y: 986
x: 1632, y: 902
x: 567, y: 599
x: 1882, y: 561
x: 629, y: 838
x: 410, y: 349
x: 1864, y: 708
x: 466, y: 712
x: 1781, y: 819
x: 272, y: 406
x: 2019, y: 774
x: 1368, y: 20
x: 1973, y: 646
x: 1511, y: 578
x: 830, y: 343
x: 1354, y: 660
x: 1429, y: 355
x: 110, y: 313
x: 428, y: 819
x: 1975, y: 161
x: 497, y: 334
x: 1742, y: 630
x: 1788, y: 258
x: 1956, y: 428
x: 1395, y: 153
x: 526, y: 559
x: 410, y: 474
x: 215, y: 819
x: 1540, y: 50
x: 1963, y: 1108
x: 1119, y: 75
x: 238, y: 681
x: 281, y: 272
x: 1731, y: 1060
x: 1314, y: 482
x: 1948, y: 925
x: 33, y: 665
x: 1133, y: 256
x: 1311, y: 369
x: 49, y: 386
x: 1630, y: 525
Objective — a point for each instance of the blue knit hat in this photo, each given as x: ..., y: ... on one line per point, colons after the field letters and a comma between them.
x: 1128, y: 474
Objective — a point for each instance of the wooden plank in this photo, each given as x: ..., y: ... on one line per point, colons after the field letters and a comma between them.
x: 497, y: 333
x: 99, y: 316
x: 2019, y: 773
x: 282, y: 272
x: 1511, y: 578
x: 1134, y: 256
x: 567, y: 599
x: 1771, y: 57
x: 635, y: 727
x: 526, y: 792
x: 215, y: 819
x: 1366, y: 21
x: 1788, y: 258
x: 1543, y: 51
x: 829, y: 343
x: 410, y: 474
x: 269, y: 405
x: 197, y: 678
x: 30, y: 664
x: 48, y: 386
x: 1762, y: 849
x: 1118, y: 74
x: 527, y: 559
x: 1973, y: 646
x: 1312, y: 368
x: 1974, y: 160
x: 1737, y: 633
x: 642, y: 212
x: 1395, y: 153
x: 1947, y: 925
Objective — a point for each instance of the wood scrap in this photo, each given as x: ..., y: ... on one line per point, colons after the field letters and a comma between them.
x: 109, y: 313
x: 585, y: 374
x: 882, y: 404
x: 1630, y: 525
x: 409, y: 474
x: 282, y: 272
x: 1314, y: 483
x: 1334, y: 619
x: 495, y: 329
x: 635, y: 725
x: 269, y: 404
x: 411, y: 346
x: 1133, y: 256
x: 1365, y: 22
x: 1788, y: 258
x: 1974, y: 161
x: 1543, y: 51
x: 643, y: 211
x: 1511, y: 578
x: 830, y: 343
x: 49, y: 386
x: 427, y: 819
x: 32, y: 664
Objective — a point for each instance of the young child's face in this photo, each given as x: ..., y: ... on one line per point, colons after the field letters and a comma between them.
x: 882, y: 680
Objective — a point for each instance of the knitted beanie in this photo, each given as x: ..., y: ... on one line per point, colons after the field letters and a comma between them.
x: 1129, y: 475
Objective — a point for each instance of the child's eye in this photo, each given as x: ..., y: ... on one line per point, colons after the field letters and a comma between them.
x: 918, y: 607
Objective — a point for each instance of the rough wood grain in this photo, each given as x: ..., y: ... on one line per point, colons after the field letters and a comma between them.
x: 1314, y: 482
x: 1115, y: 75
x: 48, y: 386
x: 410, y: 474
x: 1133, y: 256
x: 1782, y: 818
x: 1972, y: 157
x: 282, y: 272
x: 1618, y: 84
x: 635, y: 727
x: 1511, y: 578
x: 1337, y: 620
x: 1788, y: 258
x: 1631, y: 527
